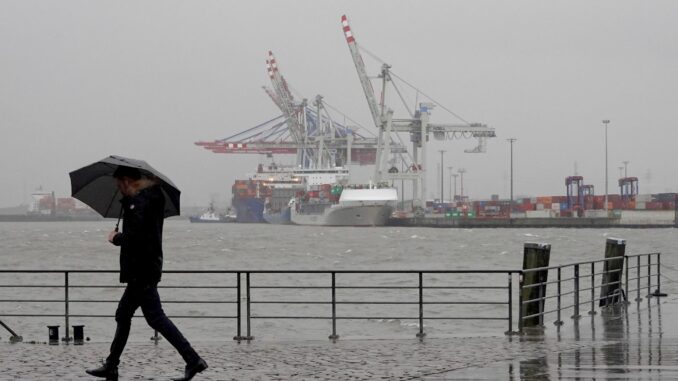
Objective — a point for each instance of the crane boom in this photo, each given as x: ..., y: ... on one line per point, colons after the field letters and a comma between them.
x: 285, y: 96
x: 362, y: 73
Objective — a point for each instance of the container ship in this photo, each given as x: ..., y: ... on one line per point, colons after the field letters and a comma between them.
x: 284, y: 195
x: 265, y: 195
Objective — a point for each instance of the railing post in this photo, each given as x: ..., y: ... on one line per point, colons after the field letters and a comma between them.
x: 658, y: 291
x: 249, y: 320
x: 649, y: 275
x: 558, y: 321
x: 510, y: 304
x: 626, y: 288
x: 66, y: 338
x: 238, y: 335
x: 638, y: 298
x: 576, y: 293
x: 421, y: 333
x: 593, y: 289
x: 521, y: 278
x: 334, y: 335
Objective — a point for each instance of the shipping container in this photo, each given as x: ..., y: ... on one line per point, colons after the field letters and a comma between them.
x: 643, y: 197
x: 543, y: 213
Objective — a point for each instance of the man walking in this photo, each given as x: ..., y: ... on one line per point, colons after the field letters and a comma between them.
x: 141, y: 268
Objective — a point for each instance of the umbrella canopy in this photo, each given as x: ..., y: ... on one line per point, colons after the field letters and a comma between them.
x: 95, y: 186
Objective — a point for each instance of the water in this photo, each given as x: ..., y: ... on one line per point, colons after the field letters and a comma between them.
x: 83, y: 245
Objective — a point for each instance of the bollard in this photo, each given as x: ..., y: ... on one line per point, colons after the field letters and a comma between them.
x: 535, y: 255
x: 610, y: 288
x: 78, y: 334
x: 53, y: 331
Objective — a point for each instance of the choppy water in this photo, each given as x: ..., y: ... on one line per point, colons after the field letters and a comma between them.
x: 83, y: 245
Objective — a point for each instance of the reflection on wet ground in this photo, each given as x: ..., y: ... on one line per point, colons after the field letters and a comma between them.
x: 623, y: 342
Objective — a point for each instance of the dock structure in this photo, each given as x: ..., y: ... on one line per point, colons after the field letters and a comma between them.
x: 468, y: 223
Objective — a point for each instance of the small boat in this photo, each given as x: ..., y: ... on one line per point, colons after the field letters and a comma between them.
x: 210, y: 216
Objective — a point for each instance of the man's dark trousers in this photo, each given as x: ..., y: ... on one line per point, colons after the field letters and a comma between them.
x: 146, y: 297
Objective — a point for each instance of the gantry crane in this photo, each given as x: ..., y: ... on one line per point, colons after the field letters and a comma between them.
x: 309, y: 132
x: 417, y: 126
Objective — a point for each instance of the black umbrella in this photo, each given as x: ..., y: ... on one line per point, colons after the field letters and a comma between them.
x: 95, y: 186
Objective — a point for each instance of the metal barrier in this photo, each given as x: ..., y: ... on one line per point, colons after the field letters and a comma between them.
x: 579, y: 279
x: 423, y: 283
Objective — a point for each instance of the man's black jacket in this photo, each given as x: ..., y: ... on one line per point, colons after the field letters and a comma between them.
x: 141, y: 238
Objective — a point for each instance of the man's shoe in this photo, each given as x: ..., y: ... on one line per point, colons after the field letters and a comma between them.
x: 192, y: 370
x: 109, y: 372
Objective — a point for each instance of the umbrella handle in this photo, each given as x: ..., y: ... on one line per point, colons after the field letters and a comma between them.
x: 118, y: 223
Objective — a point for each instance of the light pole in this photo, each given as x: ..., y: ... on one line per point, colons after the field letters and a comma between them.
x: 450, y: 169
x: 621, y: 172
x: 606, y: 122
x: 442, y: 170
x: 461, y: 191
x: 454, y: 198
x: 511, y: 141
x: 626, y: 165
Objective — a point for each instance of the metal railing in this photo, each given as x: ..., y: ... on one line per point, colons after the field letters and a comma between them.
x: 345, y: 290
x: 577, y: 280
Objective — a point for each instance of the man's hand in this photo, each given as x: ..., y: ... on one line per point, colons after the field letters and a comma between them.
x: 112, y: 235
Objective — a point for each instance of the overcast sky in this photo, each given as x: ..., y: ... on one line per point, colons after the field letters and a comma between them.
x: 80, y: 80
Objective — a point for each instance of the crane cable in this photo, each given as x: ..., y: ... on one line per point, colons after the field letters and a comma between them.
x: 374, y: 56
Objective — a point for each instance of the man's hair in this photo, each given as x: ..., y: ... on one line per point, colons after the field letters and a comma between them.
x: 130, y: 172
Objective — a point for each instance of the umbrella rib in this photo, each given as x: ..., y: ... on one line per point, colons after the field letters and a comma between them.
x: 111, y: 203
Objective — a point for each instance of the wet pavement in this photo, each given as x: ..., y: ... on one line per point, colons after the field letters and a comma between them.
x: 636, y: 342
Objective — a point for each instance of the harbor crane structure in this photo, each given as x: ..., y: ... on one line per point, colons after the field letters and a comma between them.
x: 305, y: 130
x: 417, y: 126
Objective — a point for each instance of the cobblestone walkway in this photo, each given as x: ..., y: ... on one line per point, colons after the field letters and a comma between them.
x: 614, y: 346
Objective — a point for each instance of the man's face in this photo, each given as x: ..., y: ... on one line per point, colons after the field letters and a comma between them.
x: 124, y: 184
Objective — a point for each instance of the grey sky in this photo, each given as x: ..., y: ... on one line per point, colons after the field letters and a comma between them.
x: 80, y: 80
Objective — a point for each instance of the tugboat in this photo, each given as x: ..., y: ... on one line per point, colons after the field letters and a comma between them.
x: 210, y: 216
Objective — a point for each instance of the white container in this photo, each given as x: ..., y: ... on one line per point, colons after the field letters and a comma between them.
x: 595, y: 213
x: 542, y: 213
x: 640, y: 205
x: 540, y: 206
x: 555, y: 206
x: 643, y: 198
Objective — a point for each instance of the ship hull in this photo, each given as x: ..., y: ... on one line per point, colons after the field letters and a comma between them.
x: 353, y: 215
x: 284, y: 217
x: 249, y: 209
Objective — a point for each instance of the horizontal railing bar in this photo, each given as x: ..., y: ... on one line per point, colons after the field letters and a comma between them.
x: 112, y: 316
x: 492, y: 271
x: 386, y: 287
x: 531, y: 316
x: 373, y: 302
x: 375, y: 318
x: 33, y: 301
x: 641, y: 255
x: 573, y: 264
x: 172, y: 287
x: 32, y: 286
